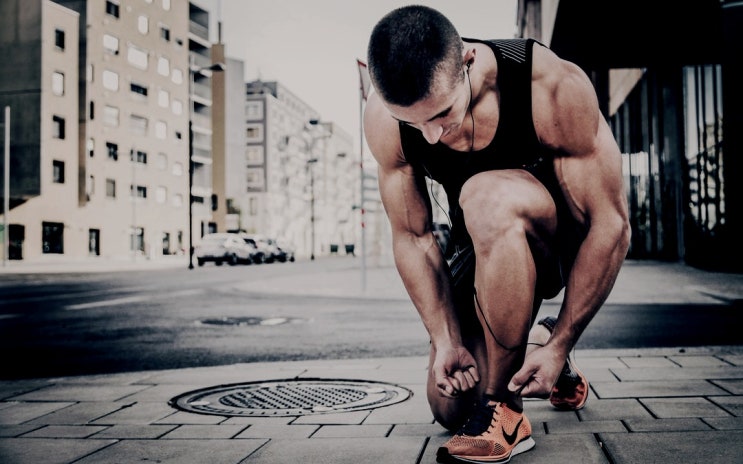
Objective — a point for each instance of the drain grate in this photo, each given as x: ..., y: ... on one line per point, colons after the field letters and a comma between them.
x: 296, y: 397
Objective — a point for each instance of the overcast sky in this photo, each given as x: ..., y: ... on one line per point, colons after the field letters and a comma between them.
x: 311, y: 46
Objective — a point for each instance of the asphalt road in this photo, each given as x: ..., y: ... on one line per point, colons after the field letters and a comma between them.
x: 73, y: 324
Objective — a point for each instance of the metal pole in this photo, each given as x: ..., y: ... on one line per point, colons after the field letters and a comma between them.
x: 362, y: 199
x: 190, y: 160
x: 312, y: 211
x: 6, y: 188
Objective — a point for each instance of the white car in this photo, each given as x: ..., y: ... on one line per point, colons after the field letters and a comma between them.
x: 223, y: 248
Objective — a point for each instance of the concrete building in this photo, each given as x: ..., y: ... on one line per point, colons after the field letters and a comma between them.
x: 300, y: 173
x: 668, y: 80
x: 100, y: 104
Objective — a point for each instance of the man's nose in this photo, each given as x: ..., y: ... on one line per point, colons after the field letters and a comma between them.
x: 432, y: 132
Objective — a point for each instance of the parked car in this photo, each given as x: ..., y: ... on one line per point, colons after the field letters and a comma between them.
x: 222, y: 248
x: 259, y: 252
x: 271, y: 251
x: 287, y: 251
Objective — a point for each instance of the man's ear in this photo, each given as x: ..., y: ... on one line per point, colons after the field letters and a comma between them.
x: 469, y: 57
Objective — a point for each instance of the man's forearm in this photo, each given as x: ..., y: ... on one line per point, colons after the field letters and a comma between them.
x: 592, y: 278
x: 424, y: 273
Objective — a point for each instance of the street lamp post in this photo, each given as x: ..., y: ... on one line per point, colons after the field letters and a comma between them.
x: 192, y: 70
x: 310, y: 163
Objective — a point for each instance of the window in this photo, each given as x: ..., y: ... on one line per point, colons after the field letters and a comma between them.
x: 110, y: 80
x: 177, y: 200
x: 163, y: 66
x: 143, y: 24
x: 110, y: 188
x: 112, y: 8
x: 94, y: 240
x: 137, y: 125
x: 254, y: 154
x: 137, y: 57
x: 89, y: 74
x: 162, y: 161
x: 177, y: 107
x: 139, y: 91
x: 58, y: 83
x: 110, y: 44
x: 59, y: 39
x: 177, y: 169
x: 91, y: 110
x: 58, y: 172
x: 52, y: 237
x: 166, y: 5
x: 58, y: 128
x: 254, y: 110
x: 177, y: 76
x: 163, y: 98
x: 90, y: 145
x: 138, y: 156
x: 110, y: 116
x: 161, y: 194
x: 113, y: 151
x: 165, y: 33
x: 90, y: 186
x: 138, y: 191
x: 161, y: 129
x: 137, y: 243
x: 254, y: 133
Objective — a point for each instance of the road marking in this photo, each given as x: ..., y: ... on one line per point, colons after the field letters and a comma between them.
x: 132, y: 299
x: 100, y: 304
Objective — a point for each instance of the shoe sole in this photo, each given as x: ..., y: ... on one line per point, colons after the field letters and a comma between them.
x: 523, y: 446
x: 565, y: 406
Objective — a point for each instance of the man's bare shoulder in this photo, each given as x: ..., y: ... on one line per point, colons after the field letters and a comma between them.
x: 564, y: 104
x: 382, y: 133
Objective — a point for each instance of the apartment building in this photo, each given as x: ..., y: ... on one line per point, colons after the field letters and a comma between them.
x: 101, y: 94
x: 300, y: 172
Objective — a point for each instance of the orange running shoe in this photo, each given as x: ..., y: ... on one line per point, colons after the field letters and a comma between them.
x: 570, y: 392
x: 493, y: 434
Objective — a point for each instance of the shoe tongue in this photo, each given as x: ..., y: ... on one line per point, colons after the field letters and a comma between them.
x: 481, y: 418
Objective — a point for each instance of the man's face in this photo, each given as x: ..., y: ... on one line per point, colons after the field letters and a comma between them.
x: 440, y: 115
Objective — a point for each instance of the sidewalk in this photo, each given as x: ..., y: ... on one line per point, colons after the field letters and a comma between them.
x: 647, y: 405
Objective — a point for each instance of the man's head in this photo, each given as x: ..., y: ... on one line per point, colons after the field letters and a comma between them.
x: 409, y: 49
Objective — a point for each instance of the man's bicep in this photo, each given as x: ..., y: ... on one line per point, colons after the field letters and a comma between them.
x: 407, y: 208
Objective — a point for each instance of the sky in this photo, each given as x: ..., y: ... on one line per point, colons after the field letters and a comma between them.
x: 311, y: 46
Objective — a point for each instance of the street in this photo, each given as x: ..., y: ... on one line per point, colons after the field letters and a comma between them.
x: 73, y: 324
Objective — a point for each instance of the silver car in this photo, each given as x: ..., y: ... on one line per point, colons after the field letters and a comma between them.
x: 223, y: 248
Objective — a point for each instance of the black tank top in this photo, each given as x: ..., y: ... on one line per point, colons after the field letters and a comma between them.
x: 514, y: 146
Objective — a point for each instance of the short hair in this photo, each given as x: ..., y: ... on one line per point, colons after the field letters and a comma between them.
x: 407, y: 49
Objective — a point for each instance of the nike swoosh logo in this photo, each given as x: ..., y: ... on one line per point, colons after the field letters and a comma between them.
x: 511, y: 438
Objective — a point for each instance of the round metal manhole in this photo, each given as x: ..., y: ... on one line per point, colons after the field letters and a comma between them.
x: 297, y: 397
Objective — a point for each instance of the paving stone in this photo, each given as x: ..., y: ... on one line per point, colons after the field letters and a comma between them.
x: 65, y: 431
x: 666, y: 425
x: 419, y: 430
x: 398, y: 450
x: 191, y: 418
x: 667, y: 447
x: 585, y: 427
x: 20, y: 412
x: 543, y: 411
x: 204, y: 432
x: 48, y: 451
x: 256, y: 420
x: 613, y: 409
x: 734, y: 359
x: 605, y: 390
x: 682, y: 407
x: 134, y: 432
x: 698, y: 361
x: 342, y: 418
x: 352, y: 431
x: 414, y: 410
x: 732, y: 404
x: 175, y: 451
x: 11, y: 388
x: 677, y: 373
x: 81, y: 392
x: 725, y: 423
x: 598, y: 362
x: 80, y: 414
x: 8, y: 431
x: 139, y: 413
x: 648, y: 361
x: 573, y: 449
x: 734, y: 386
x: 274, y: 430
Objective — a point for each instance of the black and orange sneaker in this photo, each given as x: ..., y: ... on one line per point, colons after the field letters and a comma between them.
x: 493, y: 434
x: 570, y: 392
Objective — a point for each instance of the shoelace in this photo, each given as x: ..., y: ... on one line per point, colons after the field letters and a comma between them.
x: 480, y: 421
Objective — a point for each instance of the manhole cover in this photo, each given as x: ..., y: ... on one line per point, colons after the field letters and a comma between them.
x: 298, y: 397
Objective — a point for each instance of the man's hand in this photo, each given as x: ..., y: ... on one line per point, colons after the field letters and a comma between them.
x: 454, y: 370
x: 539, y: 373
